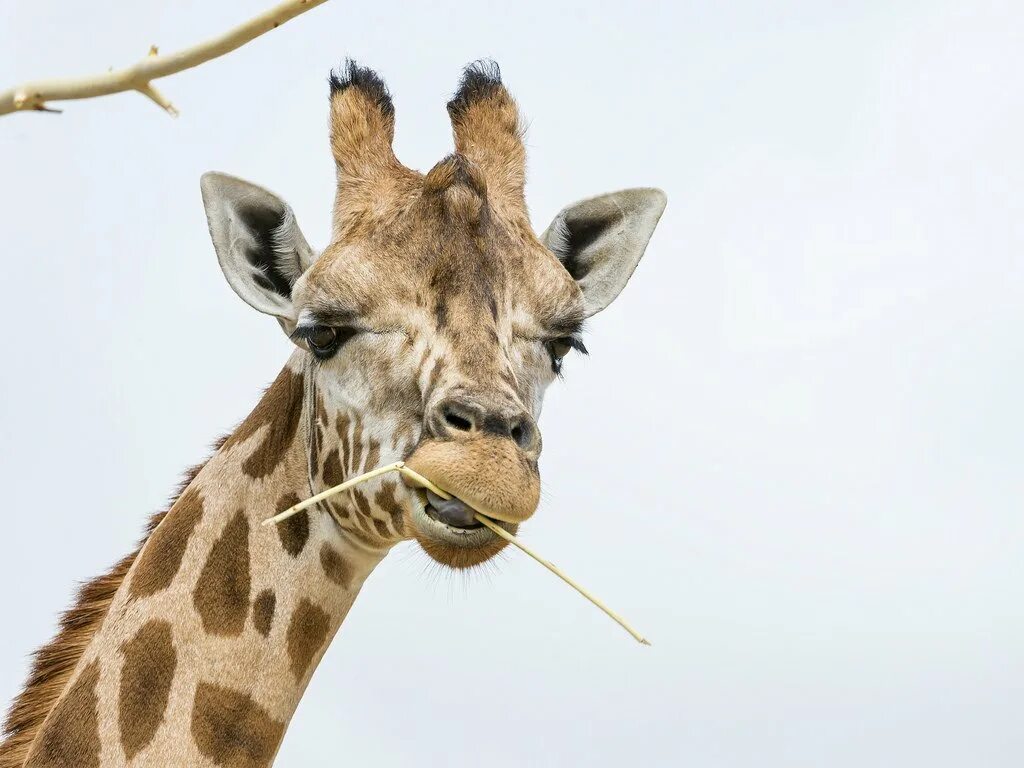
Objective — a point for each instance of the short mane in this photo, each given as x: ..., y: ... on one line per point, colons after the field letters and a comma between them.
x: 54, y: 662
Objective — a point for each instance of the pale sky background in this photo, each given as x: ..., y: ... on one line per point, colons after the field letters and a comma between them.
x: 794, y: 457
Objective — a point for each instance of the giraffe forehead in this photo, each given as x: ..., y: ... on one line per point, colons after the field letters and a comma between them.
x: 445, y: 273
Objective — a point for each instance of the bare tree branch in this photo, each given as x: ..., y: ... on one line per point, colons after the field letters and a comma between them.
x: 33, y: 96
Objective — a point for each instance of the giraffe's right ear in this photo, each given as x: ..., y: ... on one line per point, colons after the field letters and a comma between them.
x: 600, y: 241
x: 259, y: 245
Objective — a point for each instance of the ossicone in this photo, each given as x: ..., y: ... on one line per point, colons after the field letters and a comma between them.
x: 488, y: 132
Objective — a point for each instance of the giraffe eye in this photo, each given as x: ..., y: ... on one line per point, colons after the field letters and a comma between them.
x: 559, y: 348
x: 322, y: 340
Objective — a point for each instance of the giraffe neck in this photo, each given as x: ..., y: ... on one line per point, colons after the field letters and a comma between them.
x: 218, y: 625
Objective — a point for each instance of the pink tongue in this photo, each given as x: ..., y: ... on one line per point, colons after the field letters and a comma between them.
x: 453, y: 511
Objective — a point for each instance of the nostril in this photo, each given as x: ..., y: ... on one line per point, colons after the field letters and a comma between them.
x: 458, y: 422
x: 522, y: 433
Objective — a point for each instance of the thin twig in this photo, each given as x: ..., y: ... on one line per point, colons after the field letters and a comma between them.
x: 397, y: 466
x: 33, y: 96
x: 401, y: 468
x: 495, y: 528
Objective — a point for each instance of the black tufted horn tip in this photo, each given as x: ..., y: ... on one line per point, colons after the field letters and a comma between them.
x: 480, y: 80
x: 351, y: 75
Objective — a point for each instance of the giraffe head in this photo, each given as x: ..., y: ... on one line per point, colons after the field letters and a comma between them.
x: 435, y: 318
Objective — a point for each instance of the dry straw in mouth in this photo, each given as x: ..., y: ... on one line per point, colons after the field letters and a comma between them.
x: 416, y: 477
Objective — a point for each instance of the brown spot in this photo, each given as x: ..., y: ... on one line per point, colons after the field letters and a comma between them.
x: 293, y: 532
x: 441, y: 312
x: 233, y: 730
x: 263, y: 611
x: 372, y: 455
x: 343, y: 424
x: 279, y: 411
x: 161, y: 556
x: 357, y: 446
x: 338, y: 508
x: 70, y: 737
x: 386, y: 499
x: 334, y: 566
x: 333, y: 474
x: 222, y: 593
x: 306, y: 635
x: 149, y: 664
x: 362, y: 503
x: 382, y: 528
x: 360, y: 524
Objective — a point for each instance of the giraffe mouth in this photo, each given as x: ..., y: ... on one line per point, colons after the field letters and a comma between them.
x: 484, y: 475
x: 448, y: 520
x: 448, y: 533
x: 491, y: 475
x: 453, y: 512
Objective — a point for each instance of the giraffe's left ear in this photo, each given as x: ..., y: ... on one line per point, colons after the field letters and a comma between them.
x: 259, y: 245
x: 600, y: 240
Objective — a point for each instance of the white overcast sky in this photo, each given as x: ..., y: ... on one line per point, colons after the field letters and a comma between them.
x: 794, y: 457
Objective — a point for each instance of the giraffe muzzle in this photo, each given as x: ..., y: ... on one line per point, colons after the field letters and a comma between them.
x: 488, y: 474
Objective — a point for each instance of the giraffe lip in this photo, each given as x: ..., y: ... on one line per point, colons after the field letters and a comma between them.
x: 451, y: 545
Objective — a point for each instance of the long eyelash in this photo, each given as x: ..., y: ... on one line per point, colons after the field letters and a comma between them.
x: 577, y: 343
x: 574, y: 342
x: 302, y: 332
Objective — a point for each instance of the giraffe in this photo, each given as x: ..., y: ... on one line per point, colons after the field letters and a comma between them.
x: 428, y: 331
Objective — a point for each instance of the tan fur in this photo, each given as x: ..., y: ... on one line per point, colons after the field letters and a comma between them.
x: 490, y: 135
x: 71, y: 738
x: 368, y: 171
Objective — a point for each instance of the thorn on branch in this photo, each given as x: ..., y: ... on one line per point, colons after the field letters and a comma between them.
x: 147, y: 89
